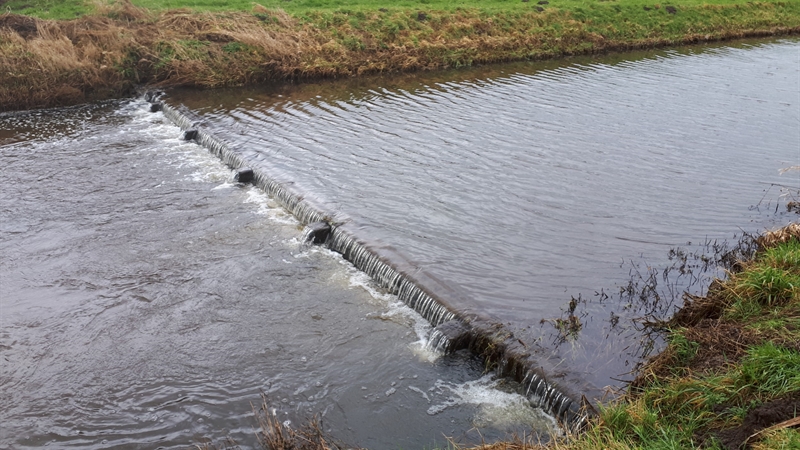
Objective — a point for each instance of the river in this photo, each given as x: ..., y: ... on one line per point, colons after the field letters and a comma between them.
x: 525, y: 185
x: 147, y: 299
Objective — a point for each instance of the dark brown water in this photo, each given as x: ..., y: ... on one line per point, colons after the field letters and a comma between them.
x: 526, y: 185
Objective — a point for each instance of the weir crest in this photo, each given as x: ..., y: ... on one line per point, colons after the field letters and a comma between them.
x: 452, y: 330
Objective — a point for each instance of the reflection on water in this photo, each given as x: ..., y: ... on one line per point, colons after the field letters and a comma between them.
x: 147, y: 300
x: 526, y: 185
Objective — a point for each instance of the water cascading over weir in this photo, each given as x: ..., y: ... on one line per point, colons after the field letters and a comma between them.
x: 453, y: 329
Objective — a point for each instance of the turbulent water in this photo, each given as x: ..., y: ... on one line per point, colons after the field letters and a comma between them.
x: 147, y: 299
x: 523, y: 186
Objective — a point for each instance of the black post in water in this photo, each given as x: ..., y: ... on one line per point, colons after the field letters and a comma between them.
x: 243, y: 175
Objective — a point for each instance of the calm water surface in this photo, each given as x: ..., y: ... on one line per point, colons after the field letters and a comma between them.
x: 525, y: 185
x: 147, y: 300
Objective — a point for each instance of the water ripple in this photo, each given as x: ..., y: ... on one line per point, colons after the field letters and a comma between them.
x: 530, y: 187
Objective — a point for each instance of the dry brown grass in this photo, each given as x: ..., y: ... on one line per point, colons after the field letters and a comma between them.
x: 122, y: 10
x: 120, y: 46
x: 671, y: 382
x: 56, y: 63
x: 60, y: 63
x: 773, y: 238
x: 275, y: 435
x: 514, y: 444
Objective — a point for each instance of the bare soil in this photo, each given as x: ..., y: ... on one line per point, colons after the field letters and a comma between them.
x: 22, y: 25
x: 760, y: 418
x: 720, y: 343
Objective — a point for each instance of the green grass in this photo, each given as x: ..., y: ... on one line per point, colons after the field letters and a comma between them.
x: 672, y: 411
x: 47, y: 9
x: 581, y: 9
x: 786, y: 439
x: 769, y: 284
x: 668, y: 414
x: 685, y: 349
x: 525, y: 29
x: 350, y: 37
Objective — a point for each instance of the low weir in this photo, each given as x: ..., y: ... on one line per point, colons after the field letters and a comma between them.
x: 453, y: 329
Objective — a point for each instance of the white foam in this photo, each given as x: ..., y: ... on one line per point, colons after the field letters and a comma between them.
x: 421, y: 392
x: 205, y: 167
x: 265, y: 206
x: 392, y: 308
x: 495, y: 407
x: 225, y: 185
x: 361, y: 280
x: 211, y: 169
x: 139, y: 110
x: 397, y: 311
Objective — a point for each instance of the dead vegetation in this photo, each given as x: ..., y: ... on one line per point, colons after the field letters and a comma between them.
x: 54, y: 63
x: 779, y: 236
x: 119, y: 46
x: 57, y: 63
x: 273, y: 434
x: 728, y: 377
x: 756, y: 309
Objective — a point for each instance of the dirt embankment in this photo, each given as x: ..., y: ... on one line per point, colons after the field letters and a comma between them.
x: 107, y: 54
x: 729, y: 377
x: 713, y: 339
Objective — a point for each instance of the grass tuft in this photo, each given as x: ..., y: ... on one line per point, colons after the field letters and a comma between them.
x: 771, y: 281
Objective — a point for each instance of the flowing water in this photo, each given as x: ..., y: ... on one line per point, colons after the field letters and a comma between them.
x: 519, y: 187
x: 147, y: 298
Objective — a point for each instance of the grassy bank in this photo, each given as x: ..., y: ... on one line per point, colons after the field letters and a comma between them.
x: 64, y: 52
x: 730, y: 376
